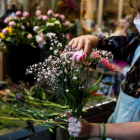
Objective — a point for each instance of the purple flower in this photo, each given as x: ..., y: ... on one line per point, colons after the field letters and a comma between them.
x: 5, y: 31
x: 18, y: 96
x: 6, y: 20
x: 25, y: 14
x: 12, y: 24
x: 18, y: 13
x: 38, y: 13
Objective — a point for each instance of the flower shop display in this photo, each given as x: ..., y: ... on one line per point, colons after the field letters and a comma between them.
x: 29, y: 40
x: 63, y: 74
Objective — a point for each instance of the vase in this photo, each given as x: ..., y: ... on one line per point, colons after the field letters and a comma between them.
x: 19, y: 57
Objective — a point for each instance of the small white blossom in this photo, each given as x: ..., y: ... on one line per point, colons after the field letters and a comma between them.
x: 75, y: 78
x: 67, y: 90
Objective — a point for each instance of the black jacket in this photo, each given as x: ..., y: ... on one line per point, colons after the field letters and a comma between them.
x: 123, y: 48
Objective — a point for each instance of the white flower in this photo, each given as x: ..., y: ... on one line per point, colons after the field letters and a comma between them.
x: 23, y: 27
x: 60, y: 71
x: 29, y: 36
x: 67, y: 90
x: 56, y: 51
x: 50, y: 57
x: 48, y: 24
x: 75, y: 78
x: 52, y: 24
x: 36, y: 28
x: 41, y: 41
x: 51, y: 48
x: 65, y: 80
x: 57, y: 22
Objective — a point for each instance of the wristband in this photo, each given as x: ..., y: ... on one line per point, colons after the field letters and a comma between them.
x: 101, y: 136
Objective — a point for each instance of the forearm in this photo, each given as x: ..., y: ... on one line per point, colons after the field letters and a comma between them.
x: 125, y: 131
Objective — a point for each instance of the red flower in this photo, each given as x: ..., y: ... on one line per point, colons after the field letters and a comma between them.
x: 108, y: 65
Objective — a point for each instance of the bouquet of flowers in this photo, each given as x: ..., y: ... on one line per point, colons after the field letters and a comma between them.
x: 63, y: 74
x: 26, y: 30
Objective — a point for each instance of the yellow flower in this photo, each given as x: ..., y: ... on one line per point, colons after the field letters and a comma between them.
x: 2, y: 36
x: 10, y: 31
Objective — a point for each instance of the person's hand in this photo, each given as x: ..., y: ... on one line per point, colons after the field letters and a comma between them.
x: 78, y: 128
x: 85, y: 42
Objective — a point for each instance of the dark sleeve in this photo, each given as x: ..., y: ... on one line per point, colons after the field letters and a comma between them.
x: 117, y: 45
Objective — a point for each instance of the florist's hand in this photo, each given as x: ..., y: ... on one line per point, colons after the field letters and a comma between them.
x: 85, y: 42
x: 78, y: 128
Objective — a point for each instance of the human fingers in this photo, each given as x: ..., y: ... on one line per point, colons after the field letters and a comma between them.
x: 73, y: 134
x: 71, y: 43
x: 72, y: 120
x: 75, y: 43
x: 78, y: 124
x: 81, y: 44
x: 74, y: 130
x: 87, y: 47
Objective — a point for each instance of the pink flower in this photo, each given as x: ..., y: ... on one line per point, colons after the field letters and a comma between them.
x: 45, y: 18
x: 18, y: 13
x: 79, y: 56
x: 16, y: 18
x: 6, y: 20
x: 67, y: 23
x: 36, y: 28
x: 50, y: 12
x: 108, y: 65
x: 62, y: 17
x: 57, y: 15
x: 5, y: 31
x: 12, y: 24
x: 25, y: 14
x: 38, y: 13
x: 40, y: 17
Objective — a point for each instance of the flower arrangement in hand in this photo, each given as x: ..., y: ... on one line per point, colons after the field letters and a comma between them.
x: 63, y: 74
x: 26, y: 30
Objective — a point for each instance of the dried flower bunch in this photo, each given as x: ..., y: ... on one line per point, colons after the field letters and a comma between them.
x: 26, y: 30
x: 63, y: 74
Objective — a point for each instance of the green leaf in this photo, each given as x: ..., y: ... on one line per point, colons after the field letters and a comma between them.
x: 71, y: 97
x: 50, y: 91
x: 93, y: 88
x: 43, y: 95
x: 108, y: 83
x: 32, y: 44
x: 77, y: 82
x: 8, y: 39
x: 26, y: 92
x: 31, y: 89
x: 51, y: 130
